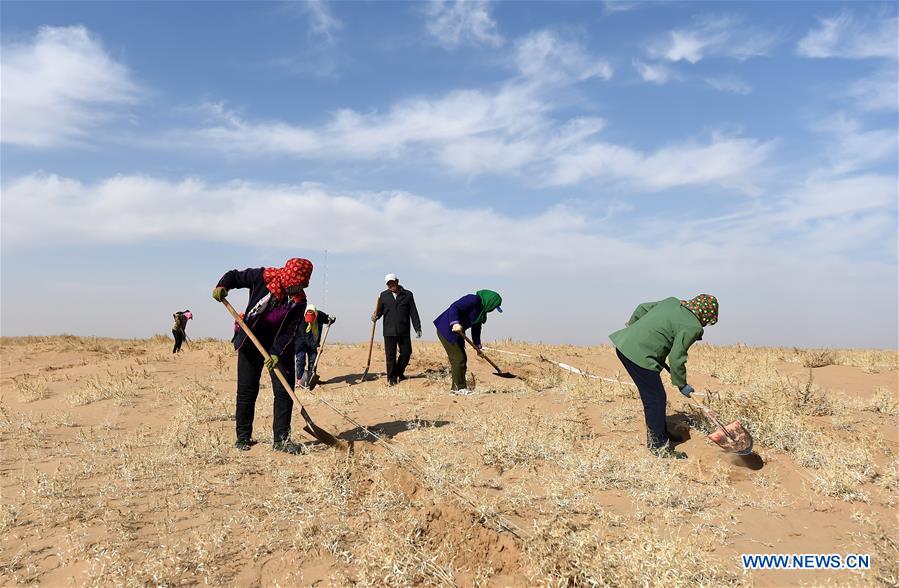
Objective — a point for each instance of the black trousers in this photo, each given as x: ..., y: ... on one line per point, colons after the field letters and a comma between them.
x: 652, y: 394
x: 249, y: 370
x: 397, y: 367
x: 179, y: 339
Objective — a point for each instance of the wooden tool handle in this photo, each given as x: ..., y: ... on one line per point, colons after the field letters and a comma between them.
x: 374, y: 325
x: 481, y: 353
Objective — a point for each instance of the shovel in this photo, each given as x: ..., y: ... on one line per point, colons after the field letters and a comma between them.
x: 498, y: 372
x: 312, y: 379
x: 371, y: 342
x: 311, y: 428
x: 733, y: 437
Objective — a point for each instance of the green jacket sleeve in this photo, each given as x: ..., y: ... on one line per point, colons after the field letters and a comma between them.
x: 640, y: 311
x: 678, y: 355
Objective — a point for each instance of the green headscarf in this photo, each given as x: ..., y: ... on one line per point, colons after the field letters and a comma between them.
x: 490, y: 300
x: 705, y: 307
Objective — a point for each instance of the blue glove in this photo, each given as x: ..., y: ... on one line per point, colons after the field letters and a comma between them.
x: 687, y: 390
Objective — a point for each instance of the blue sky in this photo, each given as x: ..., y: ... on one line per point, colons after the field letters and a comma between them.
x: 580, y: 158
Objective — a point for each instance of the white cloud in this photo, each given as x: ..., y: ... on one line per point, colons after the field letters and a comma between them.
x: 58, y: 86
x: 544, y: 56
x: 322, y: 22
x: 459, y: 22
x: 731, y: 84
x: 877, y: 92
x: 656, y: 73
x: 853, y: 148
x: 713, y: 37
x: 727, y: 161
x: 845, y: 36
x: 795, y: 240
x: 616, y: 6
x: 135, y: 209
x: 443, y: 124
x: 502, y: 130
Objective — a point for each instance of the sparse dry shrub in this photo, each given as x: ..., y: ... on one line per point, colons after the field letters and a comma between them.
x: 31, y: 387
x: 840, y: 468
x: 121, y: 387
x: 884, y: 401
x: 653, y: 481
x: 569, y: 554
x: 816, y: 358
x: 9, y: 516
x: 203, y: 403
x: 513, y: 438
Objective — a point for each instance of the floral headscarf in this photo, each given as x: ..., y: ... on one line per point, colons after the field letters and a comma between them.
x: 705, y: 307
x: 296, y: 272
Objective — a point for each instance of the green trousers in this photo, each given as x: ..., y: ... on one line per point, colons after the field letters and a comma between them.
x: 458, y: 361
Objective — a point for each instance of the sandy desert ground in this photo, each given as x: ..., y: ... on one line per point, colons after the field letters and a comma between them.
x: 118, y: 468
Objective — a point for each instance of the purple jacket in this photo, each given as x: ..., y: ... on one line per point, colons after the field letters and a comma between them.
x: 464, y: 311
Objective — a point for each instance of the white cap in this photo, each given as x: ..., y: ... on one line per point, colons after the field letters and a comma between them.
x: 391, y: 278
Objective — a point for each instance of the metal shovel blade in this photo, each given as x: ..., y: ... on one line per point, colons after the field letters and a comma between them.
x: 321, y: 434
x: 733, y: 438
x: 312, y: 382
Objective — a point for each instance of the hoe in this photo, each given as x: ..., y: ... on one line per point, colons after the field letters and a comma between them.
x: 498, y: 372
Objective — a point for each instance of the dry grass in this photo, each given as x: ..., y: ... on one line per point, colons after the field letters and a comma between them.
x: 135, y: 482
x: 31, y: 388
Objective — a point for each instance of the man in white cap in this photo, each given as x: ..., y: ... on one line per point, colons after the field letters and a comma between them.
x: 397, y: 306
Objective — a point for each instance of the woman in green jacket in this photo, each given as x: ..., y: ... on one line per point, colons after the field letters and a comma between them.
x: 655, y: 331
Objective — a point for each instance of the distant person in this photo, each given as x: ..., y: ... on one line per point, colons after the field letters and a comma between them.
x: 656, y: 331
x: 179, y: 328
x: 397, y: 306
x: 305, y: 344
x: 470, y: 311
x: 274, y: 313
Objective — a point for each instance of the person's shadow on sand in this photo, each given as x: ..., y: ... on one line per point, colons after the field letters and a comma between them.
x: 389, y: 430
x: 354, y: 378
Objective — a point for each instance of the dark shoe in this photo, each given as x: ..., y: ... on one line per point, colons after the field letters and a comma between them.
x: 287, y: 447
x: 245, y: 444
x: 401, y: 378
x: 391, y: 381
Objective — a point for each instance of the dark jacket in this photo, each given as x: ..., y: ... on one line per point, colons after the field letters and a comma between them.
x: 276, y: 326
x: 307, y: 339
x: 398, y: 312
x: 464, y: 311
x: 180, y: 323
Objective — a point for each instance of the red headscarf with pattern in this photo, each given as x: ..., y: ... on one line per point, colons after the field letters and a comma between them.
x: 296, y: 272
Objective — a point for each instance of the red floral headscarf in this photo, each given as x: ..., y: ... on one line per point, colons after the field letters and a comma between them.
x: 705, y: 307
x: 296, y: 272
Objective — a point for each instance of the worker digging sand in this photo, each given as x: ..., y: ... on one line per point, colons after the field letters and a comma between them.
x: 657, y: 330
x: 470, y: 311
x: 274, y: 312
x: 305, y: 344
x: 179, y: 328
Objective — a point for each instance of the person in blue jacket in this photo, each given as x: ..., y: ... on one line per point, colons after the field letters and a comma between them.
x: 470, y: 311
